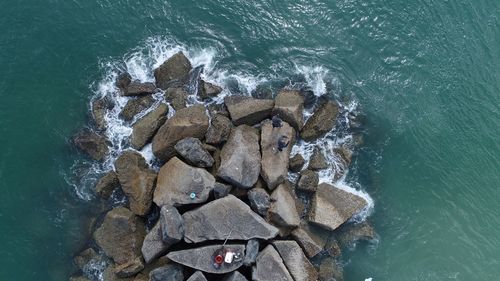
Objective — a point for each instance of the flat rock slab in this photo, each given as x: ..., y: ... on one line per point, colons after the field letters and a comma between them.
x: 270, y: 267
x: 332, y: 206
x: 248, y: 110
x: 296, y: 261
x: 226, y: 218
x: 203, y: 258
x: 144, y: 129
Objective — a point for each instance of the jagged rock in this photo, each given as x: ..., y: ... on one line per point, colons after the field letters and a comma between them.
x: 330, y: 270
x: 187, y: 122
x: 270, y: 267
x: 274, y: 164
x: 135, y: 106
x: 169, y: 272
x: 296, y: 163
x: 173, y: 72
x: 225, y: 218
x: 177, y: 97
x: 137, y: 181
x: 99, y: 108
x: 240, y: 157
x: 311, y: 238
x: 235, y: 276
x: 221, y: 109
x: 153, y: 245
x: 121, y: 235
x: 219, y: 130
x: 172, y: 225
x: 221, y: 190
x: 349, y: 234
x: 197, y: 276
x: 203, y: 258
x: 252, y: 250
x: 144, y: 129
x: 123, y: 80
x: 192, y: 150
x: 342, y: 157
x: 317, y: 161
x: 260, y: 201
x: 295, y: 261
x: 321, y: 122
x: 247, y: 110
x: 92, y: 144
x: 180, y: 184
x: 84, y: 257
x: 283, y: 211
x: 208, y: 90
x: 308, y: 181
x: 129, y: 269
x: 289, y: 106
x: 345, y: 153
x: 107, y: 184
x: 137, y: 89
x: 332, y: 206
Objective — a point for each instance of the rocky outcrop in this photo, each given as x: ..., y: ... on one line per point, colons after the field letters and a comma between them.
x: 235, y: 276
x: 321, y: 122
x: 274, y: 163
x: 107, y: 184
x: 192, y: 150
x: 270, y: 267
x: 169, y: 272
x: 203, y: 258
x: 332, y: 206
x: 137, y: 181
x: 308, y: 181
x: 295, y: 261
x: 173, y: 72
x: 225, y: 218
x: 180, y: 184
x: 247, y: 110
x: 289, y: 106
x: 296, y: 163
x: 144, y: 129
x: 260, y: 201
x: 135, y: 106
x: 137, y: 88
x: 177, y: 97
x: 240, y: 157
x: 187, y: 122
x: 283, y: 211
x: 208, y: 90
x: 219, y: 130
x: 92, y: 144
x: 197, y: 276
x: 121, y: 235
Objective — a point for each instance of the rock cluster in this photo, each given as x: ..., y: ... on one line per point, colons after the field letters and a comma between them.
x: 222, y: 203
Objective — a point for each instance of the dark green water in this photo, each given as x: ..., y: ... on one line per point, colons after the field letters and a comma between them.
x: 426, y: 74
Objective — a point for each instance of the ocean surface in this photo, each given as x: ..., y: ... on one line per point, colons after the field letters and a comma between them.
x: 424, y: 76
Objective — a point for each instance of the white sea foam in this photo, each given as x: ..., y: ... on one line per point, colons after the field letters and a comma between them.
x: 315, y: 76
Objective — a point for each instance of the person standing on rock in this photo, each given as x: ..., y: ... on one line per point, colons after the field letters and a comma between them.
x: 277, y: 122
x: 283, y: 142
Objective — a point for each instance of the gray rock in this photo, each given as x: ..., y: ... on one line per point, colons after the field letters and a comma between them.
x: 92, y: 144
x: 321, y: 122
x: 153, y: 245
x: 136, y: 105
x: 145, y: 128
x: 296, y: 163
x: 173, y: 72
x: 330, y: 270
x: 137, y: 181
x: 221, y: 190
x: 332, y: 206
x: 137, y: 88
x: 84, y: 257
x: 208, y: 90
x: 123, y: 80
x: 121, y: 235
x: 187, y: 122
x: 169, y: 272
x: 311, y: 238
x: 251, y: 253
x: 192, y: 150
x: 308, y: 181
x: 270, y: 267
x: 240, y: 157
x: 289, y: 106
x: 172, y: 225
x: 99, y: 109
x: 202, y: 258
x: 178, y: 181
x: 219, y: 130
x: 295, y: 261
x: 177, y: 97
x: 349, y: 234
x: 274, y: 163
x: 225, y: 218
x: 107, y: 184
x: 247, y: 110
x: 197, y: 276
x: 318, y: 160
x: 283, y: 211
x: 130, y: 268
x: 235, y: 276
x: 260, y: 201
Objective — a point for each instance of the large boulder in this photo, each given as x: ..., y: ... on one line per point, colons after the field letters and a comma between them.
x: 308, y: 181
x: 197, y: 276
x: 332, y: 206
x: 240, y: 157
x: 188, y: 122
x: 247, y: 110
x: 283, y: 211
x: 121, y: 235
x: 177, y: 97
x: 173, y: 72
x: 311, y: 238
x: 318, y: 160
x: 153, y: 245
x: 107, y: 184
x: 92, y: 144
x: 123, y: 80
x: 137, y: 88
x: 260, y: 201
x: 225, y: 218
x: 202, y: 258
x: 270, y: 267
x: 274, y: 163
x: 208, y: 90
x: 321, y: 122
x: 295, y: 261
x: 172, y: 225
x: 289, y: 106
x: 219, y: 130
x: 192, y: 150
x: 169, y: 272
x: 144, y: 129
x: 180, y: 184
x: 135, y: 106
x: 349, y: 234
x: 137, y: 181
x: 296, y: 163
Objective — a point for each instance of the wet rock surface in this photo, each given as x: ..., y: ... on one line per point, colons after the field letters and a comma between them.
x: 177, y: 97
x: 208, y: 90
x: 173, y: 72
x: 321, y: 122
x: 137, y: 88
x: 107, y: 184
x: 136, y: 106
x: 145, y: 128
x: 92, y: 144
x: 296, y: 163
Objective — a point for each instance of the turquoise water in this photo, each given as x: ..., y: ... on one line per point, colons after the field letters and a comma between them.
x: 425, y: 73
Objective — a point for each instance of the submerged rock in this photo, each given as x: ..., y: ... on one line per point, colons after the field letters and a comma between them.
x: 137, y: 88
x: 283, y: 211
x: 84, y: 257
x: 92, y: 144
x: 332, y: 206
x: 321, y: 122
x: 169, y: 272
x: 180, y: 184
x: 173, y: 72
x: 226, y: 218
x: 260, y: 201
x: 203, y: 258
x: 235, y: 276
x: 192, y: 150
x: 177, y: 97
x: 135, y: 106
x: 289, y: 106
x: 295, y: 261
x: 270, y: 267
x: 208, y: 90
x: 219, y: 130
x: 99, y: 108
x: 144, y: 129
x: 240, y: 157
x: 330, y: 270
x: 197, y: 276
x: 107, y: 184
x: 247, y: 110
